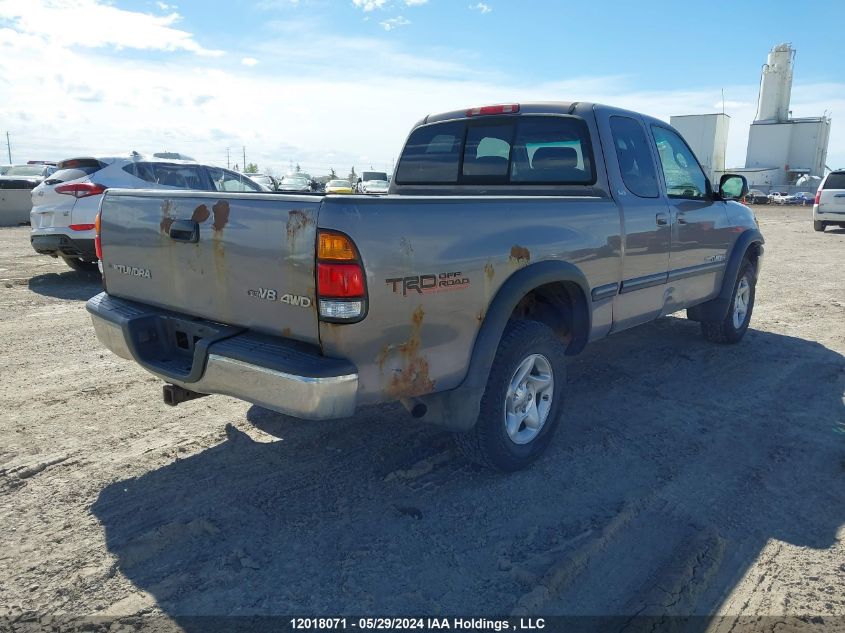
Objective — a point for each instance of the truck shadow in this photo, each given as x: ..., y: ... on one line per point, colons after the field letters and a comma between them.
x: 70, y: 284
x: 677, y: 464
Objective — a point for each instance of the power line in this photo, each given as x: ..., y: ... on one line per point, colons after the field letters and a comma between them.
x: 9, y: 146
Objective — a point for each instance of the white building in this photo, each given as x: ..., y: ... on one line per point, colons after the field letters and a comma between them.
x: 781, y: 149
x: 707, y: 135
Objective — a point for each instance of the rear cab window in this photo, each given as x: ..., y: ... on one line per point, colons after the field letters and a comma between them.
x: 535, y: 149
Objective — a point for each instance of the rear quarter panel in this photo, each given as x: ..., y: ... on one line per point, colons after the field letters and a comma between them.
x: 416, y: 341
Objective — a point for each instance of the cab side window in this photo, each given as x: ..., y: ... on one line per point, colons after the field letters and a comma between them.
x: 683, y: 175
x: 634, y: 156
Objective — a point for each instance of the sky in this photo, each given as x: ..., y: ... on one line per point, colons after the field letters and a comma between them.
x: 339, y: 83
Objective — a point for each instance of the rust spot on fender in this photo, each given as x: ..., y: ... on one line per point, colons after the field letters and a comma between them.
x: 286, y: 332
x: 166, y: 216
x: 520, y: 256
x: 201, y: 214
x: 489, y: 271
x: 221, y: 214
x: 412, y: 377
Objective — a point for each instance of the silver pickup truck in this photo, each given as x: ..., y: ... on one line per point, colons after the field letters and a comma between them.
x: 512, y: 235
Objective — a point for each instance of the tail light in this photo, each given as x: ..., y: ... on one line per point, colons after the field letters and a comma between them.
x: 98, y: 246
x: 818, y: 196
x: 341, y: 283
x: 80, y: 189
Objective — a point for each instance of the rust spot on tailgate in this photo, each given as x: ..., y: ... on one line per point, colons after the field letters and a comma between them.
x: 520, y: 256
x: 297, y: 221
x: 411, y: 377
x: 201, y: 214
x: 166, y: 216
x: 221, y: 214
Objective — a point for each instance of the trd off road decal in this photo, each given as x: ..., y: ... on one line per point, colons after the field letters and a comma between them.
x: 428, y: 284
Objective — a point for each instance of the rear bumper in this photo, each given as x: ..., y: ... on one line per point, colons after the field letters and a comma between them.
x: 822, y: 215
x: 59, y: 245
x: 278, y: 374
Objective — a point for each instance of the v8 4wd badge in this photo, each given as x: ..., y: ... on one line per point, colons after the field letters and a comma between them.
x: 269, y: 294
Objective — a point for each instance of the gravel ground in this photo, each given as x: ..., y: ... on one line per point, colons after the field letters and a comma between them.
x: 687, y: 478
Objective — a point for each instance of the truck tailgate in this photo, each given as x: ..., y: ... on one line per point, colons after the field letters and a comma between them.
x: 239, y: 259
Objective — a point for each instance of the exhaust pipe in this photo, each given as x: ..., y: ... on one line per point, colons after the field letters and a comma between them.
x: 174, y: 394
x: 414, y: 406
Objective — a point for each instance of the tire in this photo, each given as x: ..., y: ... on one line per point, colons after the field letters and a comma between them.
x: 489, y: 443
x: 81, y: 265
x: 818, y: 226
x: 732, y: 328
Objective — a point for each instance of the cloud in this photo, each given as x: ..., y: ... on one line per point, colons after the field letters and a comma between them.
x: 82, y: 101
x: 249, y: 61
x: 369, y: 5
x: 481, y: 7
x: 415, y: 3
x: 393, y: 23
x: 93, y: 24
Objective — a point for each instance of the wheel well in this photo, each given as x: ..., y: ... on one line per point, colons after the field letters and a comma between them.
x: 755, y: 249
x: 561, y: 306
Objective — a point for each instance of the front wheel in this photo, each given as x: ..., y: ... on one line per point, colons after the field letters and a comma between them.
x: 818, y: 226
x: 522, y: 400
x: 732, y: 328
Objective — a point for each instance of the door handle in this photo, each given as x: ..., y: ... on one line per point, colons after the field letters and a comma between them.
x: 662, y: 219
x: 680, y: 219
x: 185, y: 231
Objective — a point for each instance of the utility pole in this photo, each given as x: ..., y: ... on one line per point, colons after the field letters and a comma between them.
x: 228, y: 164
x: 243, y: 167
x: 9, y: 146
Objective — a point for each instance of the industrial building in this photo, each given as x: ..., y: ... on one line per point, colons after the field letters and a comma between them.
x: 781, y: 150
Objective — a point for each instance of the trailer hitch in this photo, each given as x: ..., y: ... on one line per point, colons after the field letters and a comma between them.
x: 174, y: 394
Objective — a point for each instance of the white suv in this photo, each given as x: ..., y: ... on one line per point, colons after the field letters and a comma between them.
x: 829, y: 206
x: 65, y: 205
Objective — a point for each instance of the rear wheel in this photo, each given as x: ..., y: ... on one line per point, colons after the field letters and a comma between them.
x: 81, y: 265
x: 818, y: 226
x: 521, y: 403
x: 732, y: 328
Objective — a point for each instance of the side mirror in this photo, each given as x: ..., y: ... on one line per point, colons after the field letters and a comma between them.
x: 360, y: 181
x: 732, y: 187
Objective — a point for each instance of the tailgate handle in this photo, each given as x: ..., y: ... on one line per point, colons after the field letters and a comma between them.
x: 185, y: 231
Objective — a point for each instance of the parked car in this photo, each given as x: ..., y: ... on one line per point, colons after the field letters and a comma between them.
x: 339, y: 186
x: 497, y: 254
x: 65, y: 204
x: 265, y: 180
x: 802, y: 197
x: 377, y: 186
x: 829, y: 202
x: 778, y: 197
x: 16, y: 186
x: 369, y: 178
x: 296, y: 184
x: 755, y: 196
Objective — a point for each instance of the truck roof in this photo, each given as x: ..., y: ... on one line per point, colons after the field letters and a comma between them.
x: 531, y: 107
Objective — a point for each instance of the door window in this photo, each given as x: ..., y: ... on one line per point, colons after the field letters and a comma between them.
x: 683, y: 175
x: 230, y: 181
x: 635, y: 162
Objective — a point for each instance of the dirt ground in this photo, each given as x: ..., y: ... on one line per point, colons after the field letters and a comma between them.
x: 687, y: 478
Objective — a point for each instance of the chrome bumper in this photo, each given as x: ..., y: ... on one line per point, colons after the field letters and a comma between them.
x: 239, y: 365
